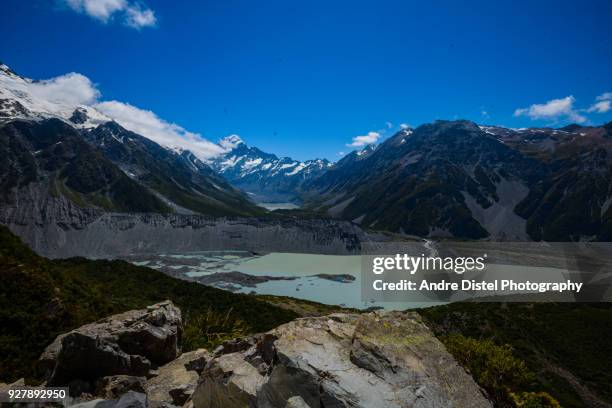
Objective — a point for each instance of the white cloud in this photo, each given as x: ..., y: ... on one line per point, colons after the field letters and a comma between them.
x: 554, y: 109
x: 389, y: 125
x: 98, y: 9
x: 129, y: 12
x: 60, y: 96
x: 370, y: 138
x: 138, y: 16
x: 603, y: 104
x: 600, y: 107
x: 70, y: 89
x: 404, y: 126
x: 340, y: 153
x: 148, y: 124
x: 606, y: 96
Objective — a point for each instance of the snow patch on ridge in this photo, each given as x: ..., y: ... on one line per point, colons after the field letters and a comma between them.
x: 296, y: 170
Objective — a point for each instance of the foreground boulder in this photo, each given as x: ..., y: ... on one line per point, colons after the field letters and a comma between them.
x: 128, y: 344
x: 176, y: 381
x: 342, y: 360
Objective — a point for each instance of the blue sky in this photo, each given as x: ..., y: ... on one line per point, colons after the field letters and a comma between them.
x: 304, y: 78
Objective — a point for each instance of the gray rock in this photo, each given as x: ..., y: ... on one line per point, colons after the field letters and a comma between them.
x: 228, y: 381
x: 113, y: 387
x: 197, y: 364
x: 129, y: 343
x: 176, y: 381
x: 389, y: 360
x: 296, y: 402
x: 129, y: 400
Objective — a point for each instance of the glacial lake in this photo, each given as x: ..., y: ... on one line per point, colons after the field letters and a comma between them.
x: 340, y: 284
x: 279, y: 206
x: 329, y: 279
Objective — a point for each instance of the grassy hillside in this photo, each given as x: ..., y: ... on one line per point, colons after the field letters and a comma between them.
x: 566, y: 346
x: 41, y: 298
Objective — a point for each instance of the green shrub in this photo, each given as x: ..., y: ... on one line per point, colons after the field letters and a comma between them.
x: 546, y: 337
x: 211, y: 328
x: 492, y: 366
x: 534, y: 400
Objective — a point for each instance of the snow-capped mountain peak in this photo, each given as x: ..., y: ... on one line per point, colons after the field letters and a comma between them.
x: 264, y: 175
x: 366, y: 150
x: 23, y: 98
x: 231, y: 142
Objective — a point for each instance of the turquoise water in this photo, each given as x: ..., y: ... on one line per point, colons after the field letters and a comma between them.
x: 301, y: 267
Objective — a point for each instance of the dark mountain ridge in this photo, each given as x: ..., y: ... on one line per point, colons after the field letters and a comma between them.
x: 53, y: 157
x: 458, y: 179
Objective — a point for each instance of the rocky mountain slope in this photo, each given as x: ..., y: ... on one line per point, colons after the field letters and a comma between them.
x: 49, y: 159
x: 266, y: 177
x: 458, y: 179
x: 181, y: 180
x: 65, y: 231
x: 572, y: 200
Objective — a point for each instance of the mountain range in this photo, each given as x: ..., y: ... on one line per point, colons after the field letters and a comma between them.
x: 56, y: 150
x: 447, y: 179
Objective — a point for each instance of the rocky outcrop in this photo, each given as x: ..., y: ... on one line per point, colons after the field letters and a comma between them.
x: 371, y: 360
x: 129, y: 344
x: 341, y: 360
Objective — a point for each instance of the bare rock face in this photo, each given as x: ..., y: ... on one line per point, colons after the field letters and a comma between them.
x: 389, y: 360
x: 176, y: 381
x: 58, y: 228
x: 130, y: 343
